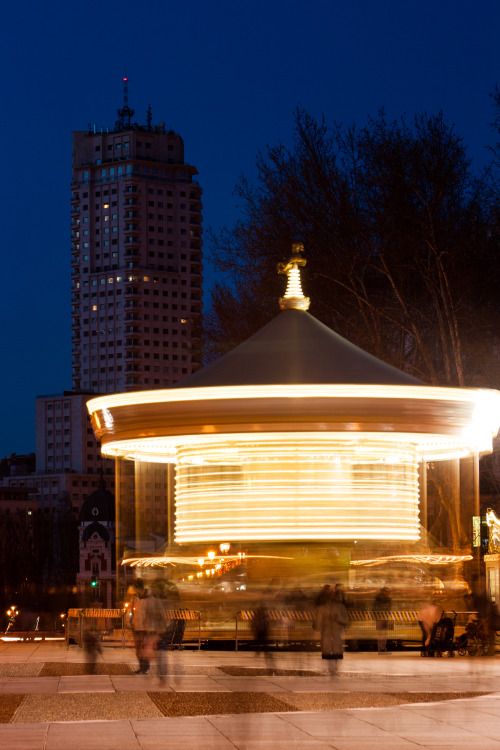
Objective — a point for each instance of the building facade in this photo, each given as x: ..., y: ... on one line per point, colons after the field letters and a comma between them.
x: 136, y: 258
x: 64, y: 436
x: 95, y: 581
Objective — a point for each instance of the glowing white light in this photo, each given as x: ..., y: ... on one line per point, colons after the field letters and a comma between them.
x: 164, y: 450
x: 423, y: 558
x: 293, y: 489
x: 489, y: 400
x: 108, y: 418
x: 494, y: 530
x: 491, y: 519
x: 471, y: 430
x: 149, y: 562
x: 294, y: 285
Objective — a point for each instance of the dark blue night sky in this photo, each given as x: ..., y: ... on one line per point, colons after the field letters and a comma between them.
x: 225, y: 75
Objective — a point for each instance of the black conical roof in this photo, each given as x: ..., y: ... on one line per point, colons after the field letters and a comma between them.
x: 296, y: 348
x: 99, y: 505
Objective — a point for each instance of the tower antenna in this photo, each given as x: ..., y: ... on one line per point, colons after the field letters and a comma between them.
x: 125, y: 114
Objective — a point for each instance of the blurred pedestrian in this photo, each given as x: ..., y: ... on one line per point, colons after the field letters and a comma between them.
x: 330, y: 620
x: 384, y: 622
x: 157, y: 623
x: 138, y: 595
x: 339, y: 593
x: 261, y: 626
x: 324, y: 595
x: 92, y: 648
x: 488, y: 616
x: 176, y: 622
x: 430, y: 614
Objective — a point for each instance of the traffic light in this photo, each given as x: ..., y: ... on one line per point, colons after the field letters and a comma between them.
x: 93, y: 581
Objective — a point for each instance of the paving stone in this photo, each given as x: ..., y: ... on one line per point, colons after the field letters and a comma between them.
x: 72, y: 669
x: 236, y: 671
x: 348, y: 699
x: 28, y: 685
x: 20, y: 670
x: 204, y: 704
x: 8, y: 707
x: 113, y: 735
x: 90, y: 706
x: 23, y: 736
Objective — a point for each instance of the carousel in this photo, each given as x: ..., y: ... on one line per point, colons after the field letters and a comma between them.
x: 296, y: 437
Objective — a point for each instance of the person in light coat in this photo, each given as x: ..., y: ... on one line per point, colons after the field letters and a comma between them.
x: 138, y: 622
x: 430, y: 613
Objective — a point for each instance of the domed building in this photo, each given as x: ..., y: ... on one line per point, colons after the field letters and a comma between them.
x: 96, y: 577
x: 295, y: 437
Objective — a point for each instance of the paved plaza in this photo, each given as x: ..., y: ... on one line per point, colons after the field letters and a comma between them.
x: 225, y: 700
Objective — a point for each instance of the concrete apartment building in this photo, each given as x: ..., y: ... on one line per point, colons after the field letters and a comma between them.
x: 136, y: 258
x: 64, y: 437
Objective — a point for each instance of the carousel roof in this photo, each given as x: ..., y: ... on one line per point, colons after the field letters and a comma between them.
x: 296, y: 348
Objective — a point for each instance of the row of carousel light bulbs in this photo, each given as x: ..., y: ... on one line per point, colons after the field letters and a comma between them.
x: 224, y: 548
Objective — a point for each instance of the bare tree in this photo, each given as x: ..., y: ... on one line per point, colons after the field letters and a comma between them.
x: 400, y: 237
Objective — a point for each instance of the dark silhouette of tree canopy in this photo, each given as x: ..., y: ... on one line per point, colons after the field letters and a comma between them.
x: 401, y: 239
x: 38, y: 550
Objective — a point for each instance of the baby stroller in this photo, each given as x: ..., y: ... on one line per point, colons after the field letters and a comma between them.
x: 442, y: 638
x: 172, y: 637
x: 476, y: 640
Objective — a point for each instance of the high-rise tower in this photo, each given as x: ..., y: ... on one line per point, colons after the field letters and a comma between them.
x: 136, y: 257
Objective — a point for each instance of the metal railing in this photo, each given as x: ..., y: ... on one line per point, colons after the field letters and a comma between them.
x: 188, y: 616
x: 296, y: 626
x: 287, y: 627
x: 113, y: 621
x: 107, y: 620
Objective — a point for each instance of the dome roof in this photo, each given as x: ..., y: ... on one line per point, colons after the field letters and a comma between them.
x: 296, y: 348
x: 99, y: 505
x: 95, y: 528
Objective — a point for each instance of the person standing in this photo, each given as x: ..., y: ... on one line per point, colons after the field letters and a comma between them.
x: 138, y: 595
x: 488, y: 616
x: 324, y: 596
x: 92, y: 648
x: 430, y: 614
x: 261, y: 627
x: 383, y: 603
x: 157, y: 622
x: 338, y: 592
x: 331, y: 619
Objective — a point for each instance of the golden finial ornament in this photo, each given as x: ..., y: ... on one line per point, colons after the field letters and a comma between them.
x: 294, y: 298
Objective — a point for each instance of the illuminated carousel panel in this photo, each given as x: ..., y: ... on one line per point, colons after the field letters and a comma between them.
x: 296, y: 489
